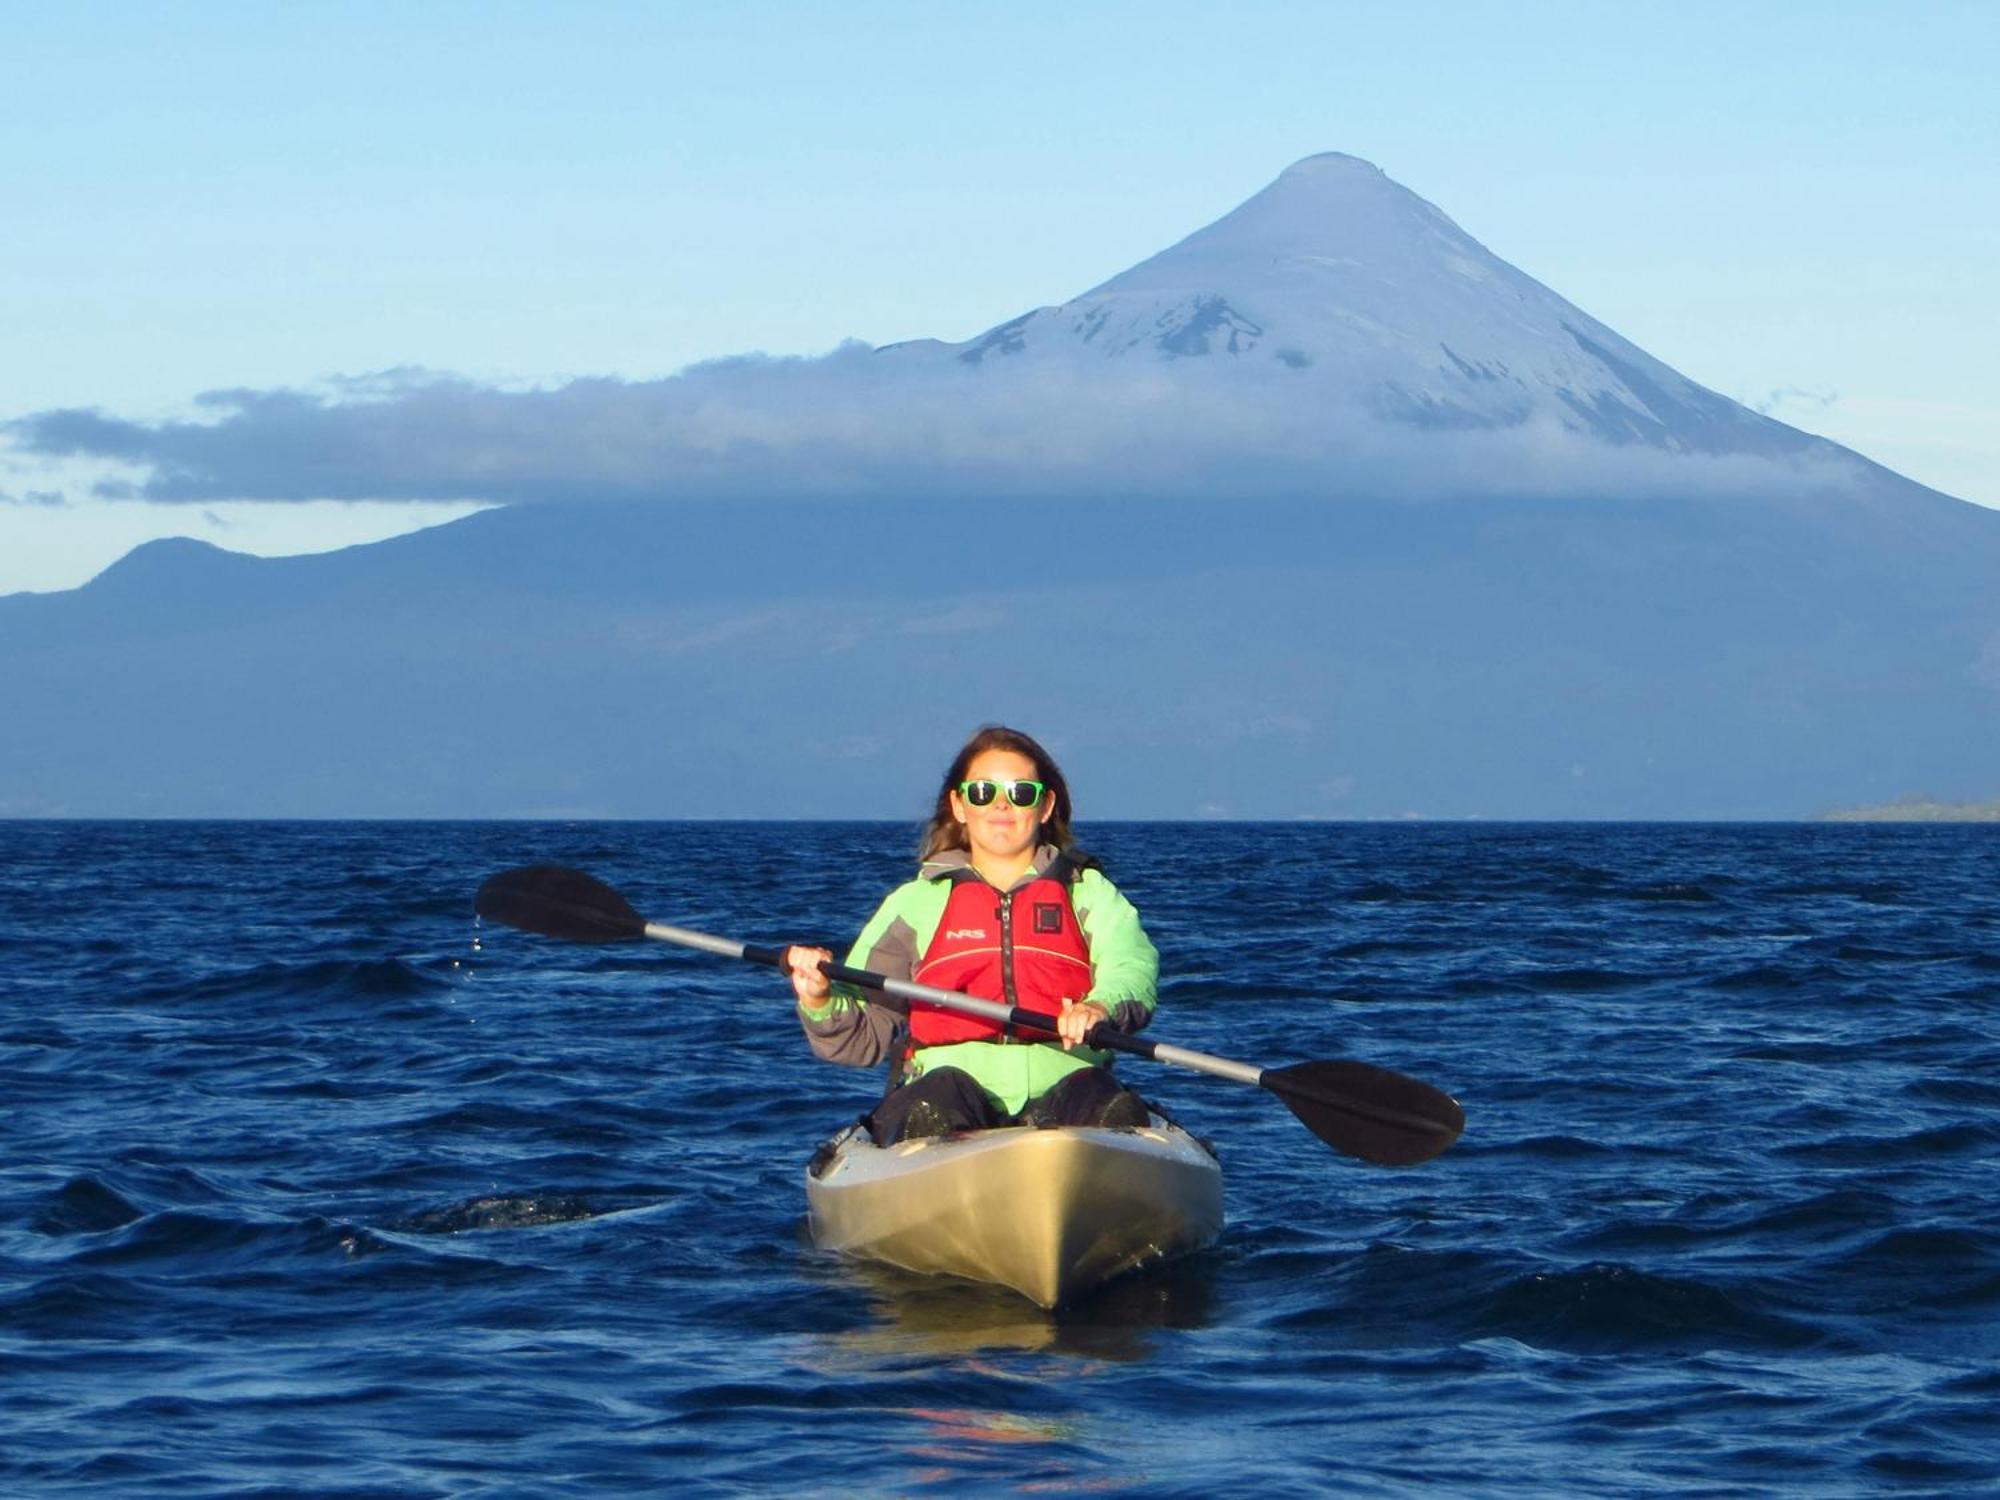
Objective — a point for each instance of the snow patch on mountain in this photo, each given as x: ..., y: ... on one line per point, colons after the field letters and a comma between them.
x: 1382, y: 307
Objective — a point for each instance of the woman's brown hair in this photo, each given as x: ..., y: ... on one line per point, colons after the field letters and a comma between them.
x: 944, y: 831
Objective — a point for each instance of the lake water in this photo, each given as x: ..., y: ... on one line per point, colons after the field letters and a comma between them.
x: 312, y: 1186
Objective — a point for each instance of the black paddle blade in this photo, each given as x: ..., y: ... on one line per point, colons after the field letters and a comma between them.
x: 1368, y: 1112
x: 559, y: 903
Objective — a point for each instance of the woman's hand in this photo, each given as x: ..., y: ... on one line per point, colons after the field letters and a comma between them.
x: 808, y: 984
x: 1077, y: 1017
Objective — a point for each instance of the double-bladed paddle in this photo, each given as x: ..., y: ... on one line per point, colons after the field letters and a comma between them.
x: 1364, y: 1111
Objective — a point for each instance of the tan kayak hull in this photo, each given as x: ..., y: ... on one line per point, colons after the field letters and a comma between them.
x: 1050, y: 1213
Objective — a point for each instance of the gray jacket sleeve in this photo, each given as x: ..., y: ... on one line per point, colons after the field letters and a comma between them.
x: 850, y: 1029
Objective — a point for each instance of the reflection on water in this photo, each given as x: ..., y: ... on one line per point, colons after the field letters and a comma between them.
x: 938, y: 1316
x: 1038, y: 1432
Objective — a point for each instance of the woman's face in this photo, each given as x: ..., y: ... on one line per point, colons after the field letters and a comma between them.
x: 1000, y: 831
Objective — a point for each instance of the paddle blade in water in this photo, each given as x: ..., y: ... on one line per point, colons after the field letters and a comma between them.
x: 559, y: 903
x: 1367, y: 1112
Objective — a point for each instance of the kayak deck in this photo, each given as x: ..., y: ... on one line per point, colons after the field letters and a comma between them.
x: 1051, y: 1213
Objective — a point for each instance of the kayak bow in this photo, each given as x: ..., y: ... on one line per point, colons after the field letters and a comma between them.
x: 1051, y: 1213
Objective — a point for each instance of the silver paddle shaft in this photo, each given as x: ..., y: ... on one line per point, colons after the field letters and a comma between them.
x: 687, y: 937
x: 968, y: 1005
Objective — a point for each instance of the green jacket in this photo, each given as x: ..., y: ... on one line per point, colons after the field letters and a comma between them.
x: 1124, y: 970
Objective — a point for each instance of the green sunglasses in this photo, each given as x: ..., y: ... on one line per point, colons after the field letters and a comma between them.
x: 1020, y: 793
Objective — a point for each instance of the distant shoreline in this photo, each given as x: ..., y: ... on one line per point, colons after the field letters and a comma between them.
x: 1919, y: 810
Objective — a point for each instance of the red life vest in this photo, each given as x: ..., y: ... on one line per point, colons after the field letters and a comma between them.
x: 1022, y: 946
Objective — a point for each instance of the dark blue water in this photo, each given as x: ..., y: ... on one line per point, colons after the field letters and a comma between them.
x: 310, y: 1187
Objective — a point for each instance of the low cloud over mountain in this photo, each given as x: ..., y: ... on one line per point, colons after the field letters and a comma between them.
x: 1334, y: 335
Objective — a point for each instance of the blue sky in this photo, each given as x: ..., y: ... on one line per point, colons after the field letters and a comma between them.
x: 1797, y: 205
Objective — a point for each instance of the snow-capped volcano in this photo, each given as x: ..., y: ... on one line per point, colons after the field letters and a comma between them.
x: 1619, y: 595
x: 1369, y: 301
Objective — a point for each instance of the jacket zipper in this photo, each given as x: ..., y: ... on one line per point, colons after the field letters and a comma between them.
x: 1007, y: 955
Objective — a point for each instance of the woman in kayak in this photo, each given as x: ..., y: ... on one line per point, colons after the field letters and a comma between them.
x: 1001, y: 908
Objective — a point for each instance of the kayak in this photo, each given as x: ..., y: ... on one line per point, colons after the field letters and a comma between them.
x: 1051, y: 1213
